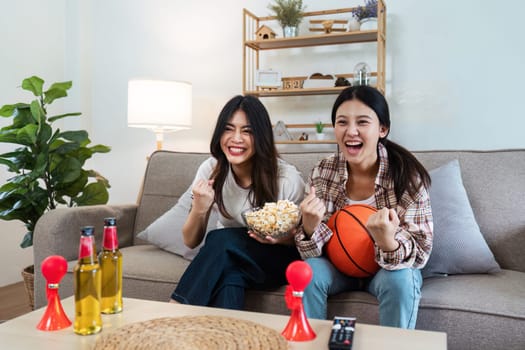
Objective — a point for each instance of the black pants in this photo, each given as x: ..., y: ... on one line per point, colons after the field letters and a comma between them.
x: 229, y: 262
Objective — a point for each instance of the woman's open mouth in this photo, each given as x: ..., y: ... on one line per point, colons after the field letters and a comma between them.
x: 236, y: 151
x: 353, y: 147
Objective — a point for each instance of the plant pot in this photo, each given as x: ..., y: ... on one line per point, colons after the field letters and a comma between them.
x: 320, y: 136
x: 290, y: 32
x: 368, y: 23
x: 28, y: 273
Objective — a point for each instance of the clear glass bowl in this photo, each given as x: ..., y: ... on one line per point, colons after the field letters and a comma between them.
x: 272, y: 219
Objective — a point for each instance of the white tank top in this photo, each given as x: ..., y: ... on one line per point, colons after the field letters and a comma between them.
x: 371, y: 201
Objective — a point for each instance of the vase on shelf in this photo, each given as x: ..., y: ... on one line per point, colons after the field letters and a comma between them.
x: 353, y: 25
x: 369, y: 23
x: 320, y: 136
x: 290, y: 31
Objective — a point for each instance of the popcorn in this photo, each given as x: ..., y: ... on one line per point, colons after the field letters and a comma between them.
x: 274, y: 219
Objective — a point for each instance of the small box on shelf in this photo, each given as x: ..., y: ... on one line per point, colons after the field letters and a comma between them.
x: 293, y: 82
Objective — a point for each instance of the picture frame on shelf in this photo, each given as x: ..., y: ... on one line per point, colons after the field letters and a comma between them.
x: 268, y: 79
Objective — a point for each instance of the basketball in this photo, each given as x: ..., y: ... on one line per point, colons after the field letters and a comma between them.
x: 351, y: 248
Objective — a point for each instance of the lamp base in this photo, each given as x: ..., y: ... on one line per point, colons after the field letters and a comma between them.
x: 159, y: 135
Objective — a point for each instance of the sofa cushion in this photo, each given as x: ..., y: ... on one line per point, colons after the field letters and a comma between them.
x: 497, y: 294
x: 147, y: 262
x: 459, y: 246
x: 166, y: 231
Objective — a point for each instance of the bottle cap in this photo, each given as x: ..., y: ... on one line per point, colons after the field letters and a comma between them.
x: 110, y: 222
x: 87, y: 242
x: 87, y: 231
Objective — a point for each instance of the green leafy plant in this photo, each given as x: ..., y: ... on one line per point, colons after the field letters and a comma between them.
x: 289, y: 13
x: 48, y: 164
x: 319, y: 127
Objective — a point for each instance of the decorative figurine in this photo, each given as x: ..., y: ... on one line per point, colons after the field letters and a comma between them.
x: 298, y: 274
x: 342, y: 81
x: 54, y: 267
x: 303, y: 137
x: 327, y: 25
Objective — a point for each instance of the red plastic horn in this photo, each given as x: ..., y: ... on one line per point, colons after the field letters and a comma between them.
x: 298, y: 274
x: 54, y: 268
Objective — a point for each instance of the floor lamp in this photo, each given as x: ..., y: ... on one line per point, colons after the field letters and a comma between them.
x: 159, y: 105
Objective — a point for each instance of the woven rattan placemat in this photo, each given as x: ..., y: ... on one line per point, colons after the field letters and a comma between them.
x: 191, y: 333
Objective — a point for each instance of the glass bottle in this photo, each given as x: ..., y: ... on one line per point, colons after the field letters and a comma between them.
x: 110, y: 259
x: 87, y: 285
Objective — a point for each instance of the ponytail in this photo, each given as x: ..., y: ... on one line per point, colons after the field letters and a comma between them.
x: 405, y: 170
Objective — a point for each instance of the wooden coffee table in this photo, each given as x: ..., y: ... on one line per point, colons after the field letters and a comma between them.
x: 21, y: 332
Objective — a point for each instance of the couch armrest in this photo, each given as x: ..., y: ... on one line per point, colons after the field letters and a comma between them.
x: 57, y: 232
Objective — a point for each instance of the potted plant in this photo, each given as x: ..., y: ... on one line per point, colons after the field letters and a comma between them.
x: 47, y: 164
x: 289, y: 14
x: 319, y: 127
x: 366, y: 15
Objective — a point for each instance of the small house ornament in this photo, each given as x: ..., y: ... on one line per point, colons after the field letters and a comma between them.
x: 264, y: 32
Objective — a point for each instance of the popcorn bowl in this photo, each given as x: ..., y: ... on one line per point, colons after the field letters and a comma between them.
x: 274, y: 219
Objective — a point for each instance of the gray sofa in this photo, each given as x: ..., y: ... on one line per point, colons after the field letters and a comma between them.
x: 477, y: 311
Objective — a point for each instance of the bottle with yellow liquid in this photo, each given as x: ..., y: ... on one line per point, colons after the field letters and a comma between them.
x: 110, y: 259
x: 87, y: 285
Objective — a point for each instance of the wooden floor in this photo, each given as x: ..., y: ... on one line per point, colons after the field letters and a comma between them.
x: 13, y: 301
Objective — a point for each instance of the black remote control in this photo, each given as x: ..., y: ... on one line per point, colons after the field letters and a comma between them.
x: 342, y: 335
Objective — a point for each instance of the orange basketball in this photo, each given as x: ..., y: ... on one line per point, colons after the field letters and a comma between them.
x: 351, y: 248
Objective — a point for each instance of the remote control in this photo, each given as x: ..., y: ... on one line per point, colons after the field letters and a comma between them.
x: 342, y: 334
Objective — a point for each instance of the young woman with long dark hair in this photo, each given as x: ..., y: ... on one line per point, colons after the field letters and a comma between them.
x: 244, y: 171
x: 369, y: 169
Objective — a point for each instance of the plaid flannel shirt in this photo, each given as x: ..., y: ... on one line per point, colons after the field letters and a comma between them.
x: 414, y: 233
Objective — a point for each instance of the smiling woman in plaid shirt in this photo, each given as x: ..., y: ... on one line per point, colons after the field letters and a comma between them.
x: 369, y: 169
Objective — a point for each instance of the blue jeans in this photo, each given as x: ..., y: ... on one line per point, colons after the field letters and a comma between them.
x: 397, y: 291
x: 229, y: 262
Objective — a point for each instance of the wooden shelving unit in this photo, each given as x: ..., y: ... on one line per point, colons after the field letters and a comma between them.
x: 304, y: 91
x: 295, y: 92
x: 299, y: 142
x: 314, y: 40
x: 253, y: 47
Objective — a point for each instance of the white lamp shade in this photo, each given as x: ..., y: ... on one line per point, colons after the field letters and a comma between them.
x: 160, y: 105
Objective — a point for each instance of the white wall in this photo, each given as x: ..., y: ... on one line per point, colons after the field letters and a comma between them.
x: 32, y: 36
x: 454, y: 74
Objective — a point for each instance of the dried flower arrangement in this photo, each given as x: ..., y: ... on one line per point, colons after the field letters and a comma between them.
x: 367, y: 11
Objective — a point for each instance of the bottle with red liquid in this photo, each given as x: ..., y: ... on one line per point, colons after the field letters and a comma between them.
x: 110, y: 259
x: 86, y: 284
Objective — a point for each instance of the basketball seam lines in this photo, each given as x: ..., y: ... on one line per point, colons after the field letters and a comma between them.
x: 341, y: 243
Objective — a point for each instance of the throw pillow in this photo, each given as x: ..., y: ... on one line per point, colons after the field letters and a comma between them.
x: 166, y: 231
x: 459, y: 247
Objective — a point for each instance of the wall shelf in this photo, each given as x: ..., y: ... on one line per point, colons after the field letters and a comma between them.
x: 296, y: 92
x: 314, y: 40
x: 300, y: 142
